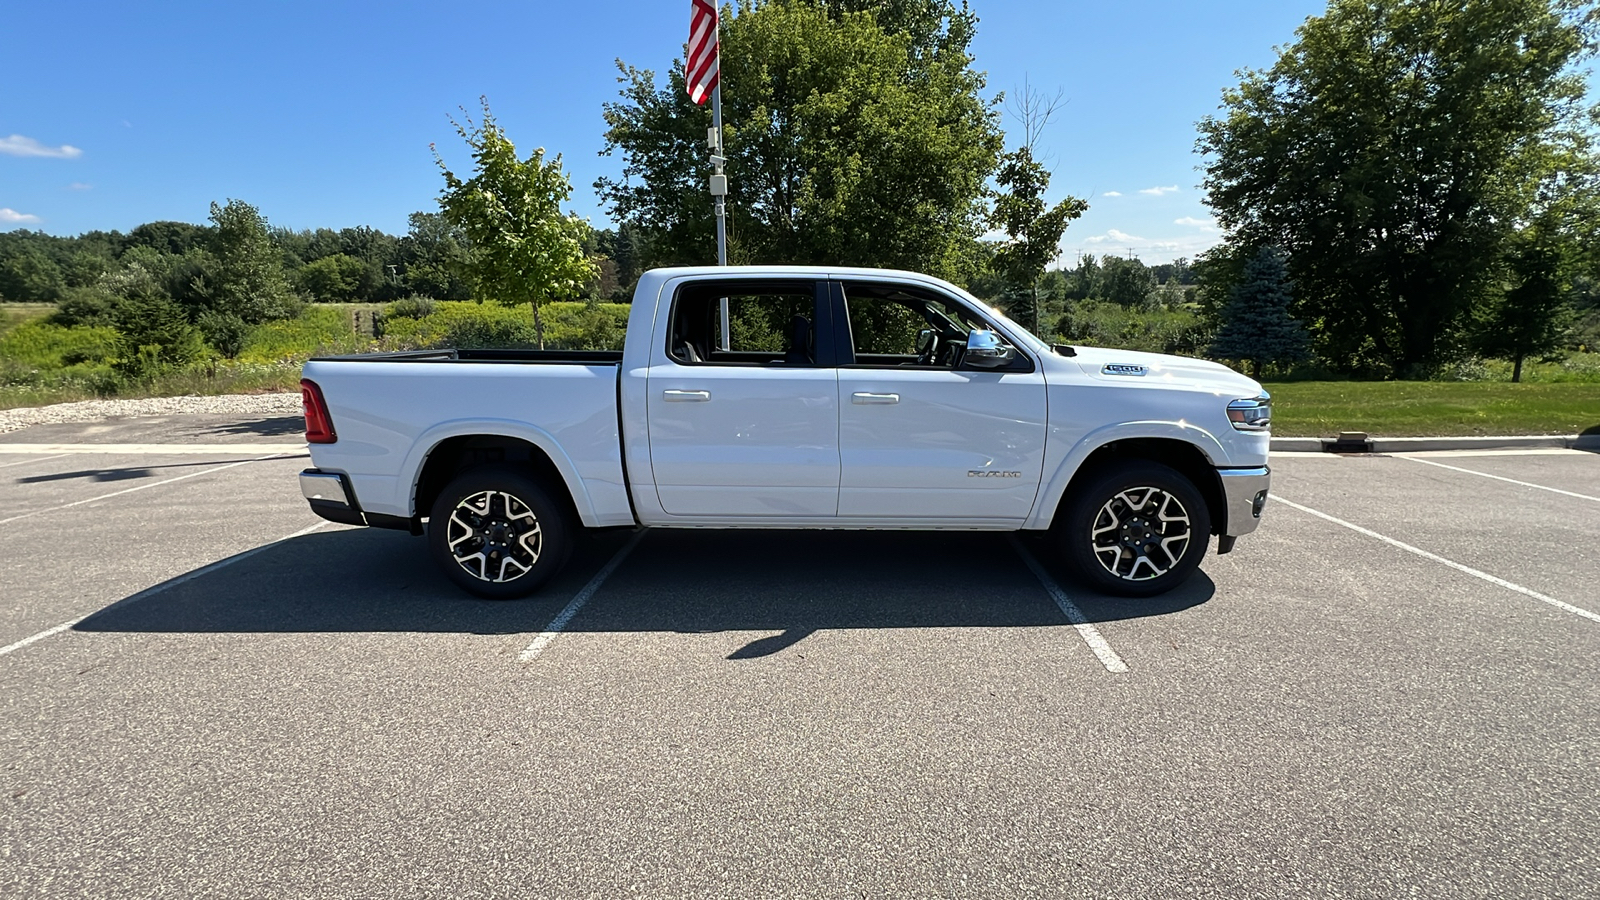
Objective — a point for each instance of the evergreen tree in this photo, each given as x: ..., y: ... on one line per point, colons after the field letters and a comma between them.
x: 153, y: 334
x: 1256, y: 326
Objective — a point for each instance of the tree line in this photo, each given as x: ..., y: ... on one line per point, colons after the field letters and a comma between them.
x: 1410, y: 183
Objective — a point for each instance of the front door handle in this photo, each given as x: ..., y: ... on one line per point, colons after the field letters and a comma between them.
x: 686, y: 396
x: 865, y: 399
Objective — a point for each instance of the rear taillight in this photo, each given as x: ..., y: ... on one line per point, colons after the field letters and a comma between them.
x: 319, y: 425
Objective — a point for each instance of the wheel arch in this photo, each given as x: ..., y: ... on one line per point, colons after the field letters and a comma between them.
x: 444, y: 452
x: 1178, y: 451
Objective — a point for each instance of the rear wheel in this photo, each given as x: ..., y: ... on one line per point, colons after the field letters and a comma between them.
x: 1136, y: 530
x: 497, y: 533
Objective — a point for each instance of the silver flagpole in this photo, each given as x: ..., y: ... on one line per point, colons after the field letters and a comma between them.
x: 719, y: 181
x: 719, y: 190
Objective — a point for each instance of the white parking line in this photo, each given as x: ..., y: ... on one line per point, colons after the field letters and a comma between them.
x: 1544, y: 598
x: 165, y: 585
x: 161, y: 449
x: 139, y: 488
x: 1091, y: 635
x: 1429, y: 462
x: 532, y: 651
x: 23, y: 462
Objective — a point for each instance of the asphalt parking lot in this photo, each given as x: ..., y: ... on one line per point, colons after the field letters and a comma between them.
x: 1392, y: 689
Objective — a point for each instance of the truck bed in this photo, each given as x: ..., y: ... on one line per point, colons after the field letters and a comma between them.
x: 577, y: 357
x: 390, y: 409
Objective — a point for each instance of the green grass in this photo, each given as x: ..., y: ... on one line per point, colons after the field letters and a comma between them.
x: 14, y: 314
x: 320, y: 330
x: 1430, y: 408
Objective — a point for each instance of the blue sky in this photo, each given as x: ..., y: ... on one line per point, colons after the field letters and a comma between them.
x: 321, y: 114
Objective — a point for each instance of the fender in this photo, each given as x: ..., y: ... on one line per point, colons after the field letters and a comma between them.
x: 1051, y: 490
x: 422, y: 448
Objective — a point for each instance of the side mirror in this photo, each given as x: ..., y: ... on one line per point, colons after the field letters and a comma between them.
x: 985, y: 350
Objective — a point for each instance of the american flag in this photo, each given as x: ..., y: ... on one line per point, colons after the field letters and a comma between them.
x: 701, y: 64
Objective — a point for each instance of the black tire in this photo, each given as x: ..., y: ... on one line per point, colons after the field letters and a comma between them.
x: 1122, y: 530
x: 511, y: 535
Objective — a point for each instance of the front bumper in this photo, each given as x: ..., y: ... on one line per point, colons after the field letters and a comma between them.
x: 1244, y: 493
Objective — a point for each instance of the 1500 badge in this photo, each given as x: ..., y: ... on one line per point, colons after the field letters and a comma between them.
x: 1123, y: 369
x: 991, y: 473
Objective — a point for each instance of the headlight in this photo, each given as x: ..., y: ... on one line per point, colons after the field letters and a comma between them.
x: 1254, y: 414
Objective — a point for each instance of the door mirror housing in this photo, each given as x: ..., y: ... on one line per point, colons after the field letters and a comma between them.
x: 985, y: 350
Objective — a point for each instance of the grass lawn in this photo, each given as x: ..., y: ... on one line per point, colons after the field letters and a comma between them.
x: 1429, y: 408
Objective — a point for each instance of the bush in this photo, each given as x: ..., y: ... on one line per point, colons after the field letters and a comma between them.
x: 415, y: 306
x: 224, y: 332
x: 466, y: 325
x: 47, y: 345
x: 1102, y: 324
x: 153, y: 335
x: 84, y: 306
x: 316, y: 331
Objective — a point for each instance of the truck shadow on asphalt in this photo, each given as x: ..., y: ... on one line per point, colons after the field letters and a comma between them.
x: 792, y: 582
x: 280, y: 426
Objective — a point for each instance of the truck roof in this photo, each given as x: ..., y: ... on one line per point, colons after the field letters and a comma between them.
x: 809, y: 271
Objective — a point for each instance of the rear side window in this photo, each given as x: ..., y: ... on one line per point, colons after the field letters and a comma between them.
x: 767, y: 324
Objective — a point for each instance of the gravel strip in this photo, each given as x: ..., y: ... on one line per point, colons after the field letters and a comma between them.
x: 95, y: 410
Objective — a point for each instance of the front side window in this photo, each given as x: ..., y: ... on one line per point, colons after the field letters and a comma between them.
x: 768, y: 324
x: 891, y: 325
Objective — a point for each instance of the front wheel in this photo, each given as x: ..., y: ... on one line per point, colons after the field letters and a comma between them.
x: 1136, y: 530
x: 497, y: 533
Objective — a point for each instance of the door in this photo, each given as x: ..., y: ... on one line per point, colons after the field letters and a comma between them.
x: 923, y: 434
x: 745, y: 422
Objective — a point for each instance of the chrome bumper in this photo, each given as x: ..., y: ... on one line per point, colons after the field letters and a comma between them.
x: 1245, y: 493
x: 325, y: 488
x: 330, y: 497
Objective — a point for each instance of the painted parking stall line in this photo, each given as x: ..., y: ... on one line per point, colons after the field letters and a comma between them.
x: 167, y: 585
x: 141, y: 487
x: 1527, y: 484
x: 145, y: 449
x: 559, y: 623
x: 1475, y: 573
x: 1091, y: 635
x: 24, y: 462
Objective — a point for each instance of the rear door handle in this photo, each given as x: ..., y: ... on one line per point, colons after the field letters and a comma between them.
x: 686, y: 396
x: 865, y: 399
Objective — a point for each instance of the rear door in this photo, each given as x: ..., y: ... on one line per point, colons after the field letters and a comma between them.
x: 922, y: 436
x: 744, y: 422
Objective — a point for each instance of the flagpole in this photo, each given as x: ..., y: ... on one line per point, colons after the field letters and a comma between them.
x: 719, y: 181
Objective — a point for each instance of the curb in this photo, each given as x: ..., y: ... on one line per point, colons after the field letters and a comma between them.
x: 1360, y: 443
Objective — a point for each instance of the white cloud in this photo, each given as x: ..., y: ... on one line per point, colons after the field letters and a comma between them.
x: 12, y: 217
x: 79, y: 186
x: 1160, y: 191
x: 1112, y: 194
x: 17, y: 145
x: 1208, y: 224
x: 1115, y: 242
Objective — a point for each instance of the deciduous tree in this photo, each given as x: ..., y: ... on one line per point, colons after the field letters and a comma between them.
x: 856, y: 133
x: 524, y: 248
x: 1391, y: 150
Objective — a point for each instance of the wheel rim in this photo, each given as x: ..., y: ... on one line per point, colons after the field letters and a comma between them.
x: 1140, y: 533
x: 494, y: 536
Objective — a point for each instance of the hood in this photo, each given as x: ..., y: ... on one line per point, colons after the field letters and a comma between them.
x: 1160, y: 368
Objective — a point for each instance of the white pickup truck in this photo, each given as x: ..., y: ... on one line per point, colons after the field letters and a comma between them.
x: 793, y: 397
